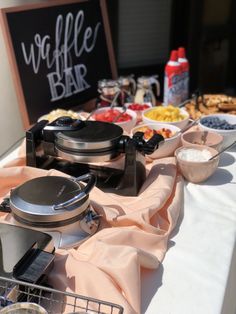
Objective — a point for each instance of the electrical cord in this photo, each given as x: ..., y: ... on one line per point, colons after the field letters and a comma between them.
x: 11, y: 147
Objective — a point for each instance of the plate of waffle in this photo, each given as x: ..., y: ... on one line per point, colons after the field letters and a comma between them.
x: 211, y: 104
x: 57, y: 113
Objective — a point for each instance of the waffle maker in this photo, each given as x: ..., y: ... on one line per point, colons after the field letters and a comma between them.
x: 25, y: 255
x: 56, y: 205
x: 77, y: 147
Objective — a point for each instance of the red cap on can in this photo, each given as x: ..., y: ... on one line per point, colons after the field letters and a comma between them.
x: 181, y: 52
x: 174, y: 55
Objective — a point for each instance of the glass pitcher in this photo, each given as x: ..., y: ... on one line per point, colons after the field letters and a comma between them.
x: 144, y: 92
x: 108, y: 93
x: 127, y: 86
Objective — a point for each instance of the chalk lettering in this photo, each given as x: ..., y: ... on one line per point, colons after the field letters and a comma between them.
x: 74, y: 82
x: 56, y: 87
x: 71, y: 39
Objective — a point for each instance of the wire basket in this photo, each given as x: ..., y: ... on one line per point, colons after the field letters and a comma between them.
x: 53, y: 301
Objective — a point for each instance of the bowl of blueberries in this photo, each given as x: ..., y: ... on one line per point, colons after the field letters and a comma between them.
x: 224, y: 124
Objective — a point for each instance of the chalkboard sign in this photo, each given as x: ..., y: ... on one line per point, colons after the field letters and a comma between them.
x: 58, y: 51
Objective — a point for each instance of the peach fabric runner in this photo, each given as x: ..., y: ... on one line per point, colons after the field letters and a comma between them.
x: 132, y: 237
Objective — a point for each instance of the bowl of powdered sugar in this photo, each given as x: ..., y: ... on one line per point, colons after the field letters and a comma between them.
x: 194, y: 162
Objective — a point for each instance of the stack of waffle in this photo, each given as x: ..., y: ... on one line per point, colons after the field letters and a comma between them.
x: 211, y: 104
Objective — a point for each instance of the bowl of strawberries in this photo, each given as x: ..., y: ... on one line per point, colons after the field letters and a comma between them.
x: 125, y: 118
x: 138, y: 108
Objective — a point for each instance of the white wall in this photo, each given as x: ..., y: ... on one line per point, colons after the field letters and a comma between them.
x: 11, y: 127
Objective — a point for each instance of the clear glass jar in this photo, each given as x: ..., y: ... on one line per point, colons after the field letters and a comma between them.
x: 127, y: 86
x: 108, y: 91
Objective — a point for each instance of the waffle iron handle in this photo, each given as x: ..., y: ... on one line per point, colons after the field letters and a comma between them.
x: 91, y: 178
x: 153, y: 143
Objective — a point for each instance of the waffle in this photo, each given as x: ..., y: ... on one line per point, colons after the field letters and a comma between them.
x: 213, y: 103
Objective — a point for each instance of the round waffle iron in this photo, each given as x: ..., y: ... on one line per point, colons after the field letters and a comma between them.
x: 93, y: 142
x: 76, y: 147
x: 57, y: 205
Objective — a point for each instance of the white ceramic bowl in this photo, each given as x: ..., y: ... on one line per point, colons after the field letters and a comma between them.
x: 139, y: 111
x: 180, y: 124
x: 197, y: 137
x: 126, y: 125
x: 197, y: 171
x: 170, y: 144
x: 229, y: 136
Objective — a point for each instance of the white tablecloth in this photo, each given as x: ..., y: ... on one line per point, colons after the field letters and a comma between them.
x: 198, y: 274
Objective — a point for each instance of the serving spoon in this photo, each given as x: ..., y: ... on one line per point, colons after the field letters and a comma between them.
x: 112, y: 105
x: 228, y: 147
x: 123, y: 110
x: 188, y: 126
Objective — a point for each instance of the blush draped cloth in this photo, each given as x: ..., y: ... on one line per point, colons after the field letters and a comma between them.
x: 132, y: 237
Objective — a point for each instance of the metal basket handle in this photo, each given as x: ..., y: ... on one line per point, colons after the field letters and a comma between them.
x: 91, y: 178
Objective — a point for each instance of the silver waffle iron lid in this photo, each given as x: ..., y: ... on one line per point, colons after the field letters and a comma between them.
x: 51, y: 200
x: 59, y: 206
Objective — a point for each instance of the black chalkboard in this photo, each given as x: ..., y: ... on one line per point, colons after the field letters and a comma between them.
x: 58, y: 52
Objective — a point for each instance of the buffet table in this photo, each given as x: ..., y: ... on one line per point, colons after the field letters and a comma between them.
x: 198, y: 273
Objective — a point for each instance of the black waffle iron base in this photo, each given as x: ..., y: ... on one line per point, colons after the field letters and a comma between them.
x: 26, y: 255
x: 76, y: 147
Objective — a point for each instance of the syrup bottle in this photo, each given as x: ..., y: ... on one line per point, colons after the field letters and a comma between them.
x: 144, y: 92
x: 108, y: 91
x: 127, y: 86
